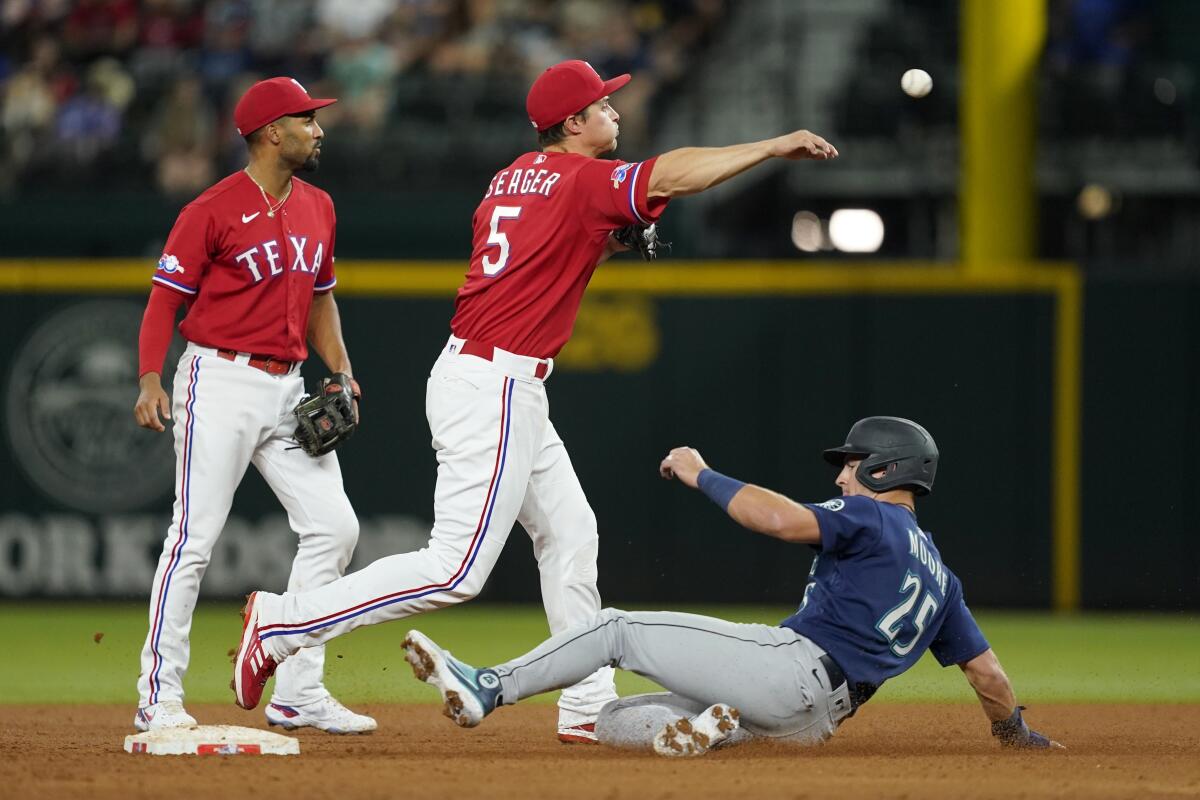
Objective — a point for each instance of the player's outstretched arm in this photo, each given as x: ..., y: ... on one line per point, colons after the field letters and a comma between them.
x: 761, y: 510
x: 995, y: 693
x: 690, y: 170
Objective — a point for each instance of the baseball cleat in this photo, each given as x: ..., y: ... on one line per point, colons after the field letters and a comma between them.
x: 578, y: 734
x: 252, y: 665
x: 468, y: 694
x: 167, y: 714
x: 695, y: 736
x: 326, y: 714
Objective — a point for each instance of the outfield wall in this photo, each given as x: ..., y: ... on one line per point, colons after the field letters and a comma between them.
x: 759, y: 366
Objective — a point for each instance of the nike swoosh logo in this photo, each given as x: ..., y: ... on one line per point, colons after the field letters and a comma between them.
x: 248, y: 217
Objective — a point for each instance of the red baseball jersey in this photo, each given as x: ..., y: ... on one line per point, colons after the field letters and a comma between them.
x: 250, y: 278
x: 538, y: 234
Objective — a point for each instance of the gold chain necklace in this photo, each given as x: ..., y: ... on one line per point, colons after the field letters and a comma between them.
x: 271, y: 209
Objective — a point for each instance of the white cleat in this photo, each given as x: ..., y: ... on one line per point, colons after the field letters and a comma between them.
x: 327, y: 715
x: 696, y: 735
x: 167, y: 714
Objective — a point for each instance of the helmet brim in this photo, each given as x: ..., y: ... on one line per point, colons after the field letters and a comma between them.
x: 837, y: 455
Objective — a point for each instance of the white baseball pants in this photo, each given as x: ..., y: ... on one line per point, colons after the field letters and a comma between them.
x: 228, y: 415
x: 500, y: 460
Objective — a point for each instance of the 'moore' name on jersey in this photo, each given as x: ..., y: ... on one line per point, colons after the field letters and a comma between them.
x: 920, y: 548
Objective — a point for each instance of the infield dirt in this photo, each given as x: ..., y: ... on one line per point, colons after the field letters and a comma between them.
x: 939, y: 751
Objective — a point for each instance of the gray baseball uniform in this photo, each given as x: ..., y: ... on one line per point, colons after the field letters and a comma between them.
x: 785, y: 684
x: 778, y: 679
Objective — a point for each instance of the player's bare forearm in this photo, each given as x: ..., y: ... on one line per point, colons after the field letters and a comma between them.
x: 690, y: 170
x: 761, y: 510
x: 767, y: 512
x: 325, y: 334
x: 991, y: 685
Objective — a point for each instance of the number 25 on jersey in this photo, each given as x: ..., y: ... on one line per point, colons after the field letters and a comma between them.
x: 499, y: 239
x: 893, y: 621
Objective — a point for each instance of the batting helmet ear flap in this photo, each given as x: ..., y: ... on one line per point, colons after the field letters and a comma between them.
x: 913, y: 470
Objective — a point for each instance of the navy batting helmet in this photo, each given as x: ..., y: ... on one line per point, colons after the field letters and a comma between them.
x: 883, y: 441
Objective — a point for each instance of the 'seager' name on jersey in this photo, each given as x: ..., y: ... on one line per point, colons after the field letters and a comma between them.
x: 526, y: 279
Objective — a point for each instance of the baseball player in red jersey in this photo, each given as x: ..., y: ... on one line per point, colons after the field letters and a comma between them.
x: 252, y: 260
x: 545, y: 222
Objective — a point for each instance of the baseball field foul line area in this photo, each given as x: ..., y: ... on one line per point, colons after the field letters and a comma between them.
x: 1097, y: 682
x: 893, y: 750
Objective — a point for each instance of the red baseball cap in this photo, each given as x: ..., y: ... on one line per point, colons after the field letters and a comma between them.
x: 566, y: 89
x: 267, y: 101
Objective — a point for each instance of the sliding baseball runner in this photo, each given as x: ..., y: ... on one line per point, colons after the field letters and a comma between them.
x: 544, y: 224
x: 878, y: 596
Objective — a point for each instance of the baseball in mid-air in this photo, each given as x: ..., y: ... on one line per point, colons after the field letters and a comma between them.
x: 916, y: 83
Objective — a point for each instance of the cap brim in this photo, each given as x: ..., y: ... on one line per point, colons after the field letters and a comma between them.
x: 313, y: 105
x: 305, y: 108
x: 612, y: 84
x: 837, y: 455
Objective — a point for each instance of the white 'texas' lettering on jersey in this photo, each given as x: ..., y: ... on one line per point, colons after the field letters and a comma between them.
x: 269, y: 251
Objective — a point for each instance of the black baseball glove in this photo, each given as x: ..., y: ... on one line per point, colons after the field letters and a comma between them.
x: 642, y: 238
x: 325, y: 421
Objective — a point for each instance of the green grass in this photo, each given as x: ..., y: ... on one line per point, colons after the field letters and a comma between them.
x: 51, y: 656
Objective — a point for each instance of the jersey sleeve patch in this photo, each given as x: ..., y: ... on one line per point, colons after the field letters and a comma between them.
x: 614, y: 194
x: 845, y: 522
x: 628, y: 174
x: 163, y: 280
x: 188, y: 250
x: 170, y: 264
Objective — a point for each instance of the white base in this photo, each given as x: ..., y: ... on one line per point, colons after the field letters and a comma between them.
x: 212, y: 740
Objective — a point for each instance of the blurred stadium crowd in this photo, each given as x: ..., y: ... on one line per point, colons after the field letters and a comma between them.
x: 136, y: 96
x: 129, y: 89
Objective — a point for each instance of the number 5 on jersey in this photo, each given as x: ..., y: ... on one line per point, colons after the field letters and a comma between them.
x: 500, y: 239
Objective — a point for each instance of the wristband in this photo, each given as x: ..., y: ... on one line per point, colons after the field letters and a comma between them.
x: 717, y: 487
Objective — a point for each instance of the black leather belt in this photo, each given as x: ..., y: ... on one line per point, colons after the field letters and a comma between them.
x: 836, y: 676
x: 859, y: 692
